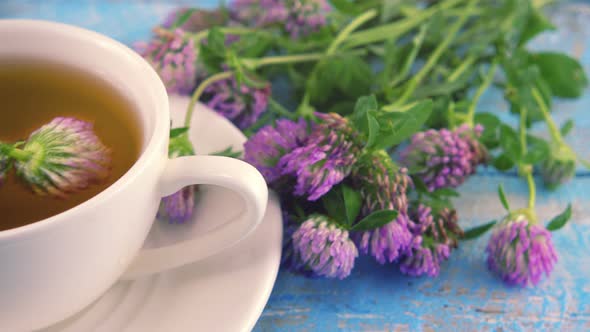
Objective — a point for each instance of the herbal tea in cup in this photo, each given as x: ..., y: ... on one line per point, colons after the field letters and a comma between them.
x: 39, y: 95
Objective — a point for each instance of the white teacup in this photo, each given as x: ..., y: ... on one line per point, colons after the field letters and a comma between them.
x: 51, y: 269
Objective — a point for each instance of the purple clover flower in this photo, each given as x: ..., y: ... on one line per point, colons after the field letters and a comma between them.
x: 520, y: 251
x: 258, y: 13
x: 324, y: 247
x: 383, y: 186
x: 299, y: 18
x: 198, y: 20
x: 444, y: 158
x: 305, y: 16
x: 266, y: 147
x: 316, y: 161
x: 179, y: 207
x: 388, y: 242
x: 424, y: 261
x: 62, y: 157
x: 174, y: 57
x: 241, y: 104
x: 434, y: 236
x: 290, y: 261
x: 325, y: 159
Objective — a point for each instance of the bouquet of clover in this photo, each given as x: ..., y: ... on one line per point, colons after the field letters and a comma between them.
x: 363, y: 116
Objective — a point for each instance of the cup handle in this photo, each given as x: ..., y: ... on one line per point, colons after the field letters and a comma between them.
x: 230, y: 173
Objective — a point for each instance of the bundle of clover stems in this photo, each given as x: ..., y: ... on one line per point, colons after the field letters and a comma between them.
x: 378, y: 125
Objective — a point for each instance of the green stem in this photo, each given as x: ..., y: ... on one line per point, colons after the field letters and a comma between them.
x: 396, y: 29
x: 526, y: 169
x: 357, y: 22
x: 15, y: 153
x: 199, y: 91
x: 368, y: 4
x: 409, y: 11
x: 304, y: 108
x: 201, y: 35
x: 255, y: 63
x: 451, y: 114
x: 461, y: 69
x: 522, y: 131
x: 275, y: 60
x: 488, y: 79
x: 532, y: 190
x: 280, y: 109
x: 432, y: 60
x: 459, y: 11
x: 411, y: 57
x: 542, y: 3
x: 553, y: 130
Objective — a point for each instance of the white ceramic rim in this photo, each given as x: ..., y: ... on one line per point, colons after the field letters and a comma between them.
x: 158, y: 136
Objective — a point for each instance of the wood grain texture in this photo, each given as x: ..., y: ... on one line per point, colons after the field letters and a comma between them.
x: 466, y: 296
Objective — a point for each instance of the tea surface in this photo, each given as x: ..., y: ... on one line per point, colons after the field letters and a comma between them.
x: 32, y: 94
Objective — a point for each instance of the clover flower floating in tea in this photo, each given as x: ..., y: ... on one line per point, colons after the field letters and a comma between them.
x: 61, y: 157
x: 4, y: 165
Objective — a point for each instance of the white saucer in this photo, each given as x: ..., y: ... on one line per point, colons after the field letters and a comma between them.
x: 226, y: 292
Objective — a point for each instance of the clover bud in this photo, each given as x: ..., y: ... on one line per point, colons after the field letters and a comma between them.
x: 63, y: 156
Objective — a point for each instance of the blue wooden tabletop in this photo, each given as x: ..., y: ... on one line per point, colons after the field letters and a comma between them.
x: 466, y: 297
